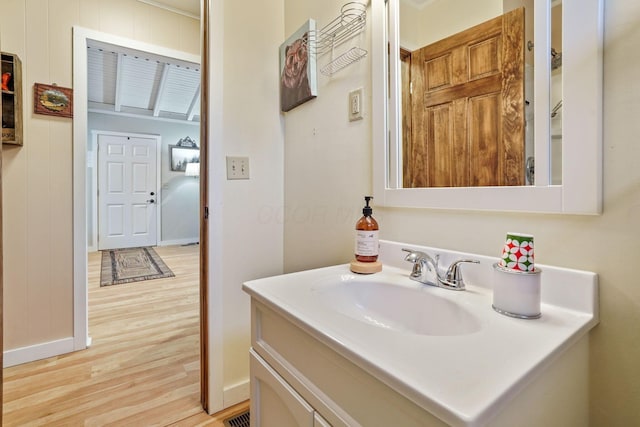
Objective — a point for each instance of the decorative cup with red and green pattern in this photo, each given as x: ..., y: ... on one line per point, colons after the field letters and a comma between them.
x: 517, y: 253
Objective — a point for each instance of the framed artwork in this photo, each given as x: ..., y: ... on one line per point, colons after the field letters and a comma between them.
x: 298, y: 82
x: 52, y: 100
x: 187, y: 142
x: 179, y: 157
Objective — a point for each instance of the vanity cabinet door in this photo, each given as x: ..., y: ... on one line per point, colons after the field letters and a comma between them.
x: 273, y: 402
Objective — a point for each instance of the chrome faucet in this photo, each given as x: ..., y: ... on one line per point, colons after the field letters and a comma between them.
x: 423, y: 264
x: 425, y: 270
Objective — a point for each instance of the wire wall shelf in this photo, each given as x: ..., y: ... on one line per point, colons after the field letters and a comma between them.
x: 352, y: 20
x: 353, y: 55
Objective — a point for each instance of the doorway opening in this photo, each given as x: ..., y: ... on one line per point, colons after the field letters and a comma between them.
x: 140, y: 110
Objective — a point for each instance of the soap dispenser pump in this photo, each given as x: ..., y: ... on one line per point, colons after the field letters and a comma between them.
x: 366, y: 248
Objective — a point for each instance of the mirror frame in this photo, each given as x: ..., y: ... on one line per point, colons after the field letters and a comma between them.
x: 581, y: 189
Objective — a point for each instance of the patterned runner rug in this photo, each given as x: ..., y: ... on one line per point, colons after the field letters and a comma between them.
x: 131, y: 265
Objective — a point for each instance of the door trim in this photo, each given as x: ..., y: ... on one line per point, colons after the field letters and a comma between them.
x: 94, y: 189
x: 213, y: 121
x: 204, y: 205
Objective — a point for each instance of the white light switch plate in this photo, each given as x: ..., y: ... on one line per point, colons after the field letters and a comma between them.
x: 355, y: 104
x: 237, y: 167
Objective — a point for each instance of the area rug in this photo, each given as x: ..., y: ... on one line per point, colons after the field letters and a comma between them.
x: 131, y: 265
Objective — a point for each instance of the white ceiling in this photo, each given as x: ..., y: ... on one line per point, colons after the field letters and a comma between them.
x: 132, y: 83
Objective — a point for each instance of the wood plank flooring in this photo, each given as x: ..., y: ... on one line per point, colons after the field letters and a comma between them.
x: 142, y: 368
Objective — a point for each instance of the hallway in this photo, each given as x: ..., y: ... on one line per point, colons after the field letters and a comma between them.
x: 143, y: 366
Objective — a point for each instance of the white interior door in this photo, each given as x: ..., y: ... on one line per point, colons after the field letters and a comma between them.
x: 127, y: 193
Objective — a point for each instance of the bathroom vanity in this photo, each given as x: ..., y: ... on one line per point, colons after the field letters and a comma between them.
x: 330, y: 347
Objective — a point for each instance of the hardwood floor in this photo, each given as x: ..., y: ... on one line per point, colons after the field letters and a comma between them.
x: 142, y: 368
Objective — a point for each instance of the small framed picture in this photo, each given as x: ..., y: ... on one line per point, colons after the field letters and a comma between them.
x: 179, y: 157
x: 52, y: 100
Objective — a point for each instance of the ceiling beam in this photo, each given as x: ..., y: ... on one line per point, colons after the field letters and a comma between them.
x: 192, y: 108
x: 118, y: 96
x: 161, y: 86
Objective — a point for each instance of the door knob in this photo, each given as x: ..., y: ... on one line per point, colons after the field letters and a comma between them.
x: 152, y: 194
x: 151, y: 201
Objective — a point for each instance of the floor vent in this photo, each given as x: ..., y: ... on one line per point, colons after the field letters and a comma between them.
x: 241, y: 420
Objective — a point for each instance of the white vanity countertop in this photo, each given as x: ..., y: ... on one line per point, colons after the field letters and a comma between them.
x: 462, y: 379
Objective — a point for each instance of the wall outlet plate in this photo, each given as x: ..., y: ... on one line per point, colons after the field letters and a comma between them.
x: 356, y: 103
x: 237, y: 167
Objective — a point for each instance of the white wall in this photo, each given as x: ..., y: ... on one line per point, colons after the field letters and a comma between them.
x: 245, y: 239
x: 440, y: 19
x: 327, y: 158
x: 327, y: 173
x: 180, y: 197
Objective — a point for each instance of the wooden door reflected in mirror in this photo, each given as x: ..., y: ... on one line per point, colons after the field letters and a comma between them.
x: 463, y: 108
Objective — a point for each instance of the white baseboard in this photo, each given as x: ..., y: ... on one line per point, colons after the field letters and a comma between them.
x: 174, y: 242
x: 186, y: 241
x: 27, y: 354
x: 236, y: 393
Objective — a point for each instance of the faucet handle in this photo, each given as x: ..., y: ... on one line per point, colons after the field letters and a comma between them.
x: 454, y: 273
x: 414, y: 256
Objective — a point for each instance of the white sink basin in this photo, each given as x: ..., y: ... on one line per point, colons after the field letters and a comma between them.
x: 415, y: 310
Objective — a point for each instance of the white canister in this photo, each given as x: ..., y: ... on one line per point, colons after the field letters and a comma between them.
x: 516, y: 293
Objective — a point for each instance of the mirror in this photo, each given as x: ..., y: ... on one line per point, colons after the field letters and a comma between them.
x: 567, y: 169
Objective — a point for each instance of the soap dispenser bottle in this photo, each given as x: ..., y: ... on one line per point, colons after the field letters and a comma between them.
x: 367, y: 235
